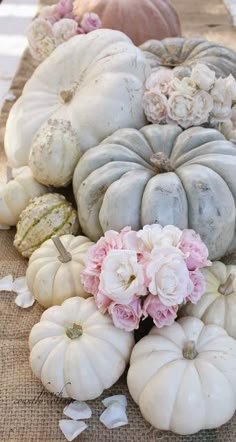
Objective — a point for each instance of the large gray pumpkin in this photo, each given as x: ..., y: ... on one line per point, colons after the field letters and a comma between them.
x: 176, y: 52
x: 164, y: 175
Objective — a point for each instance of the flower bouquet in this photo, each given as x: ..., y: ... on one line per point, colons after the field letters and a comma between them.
x: 133, y: 275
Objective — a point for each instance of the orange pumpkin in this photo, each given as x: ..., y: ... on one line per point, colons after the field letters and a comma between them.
x: 141, y: 20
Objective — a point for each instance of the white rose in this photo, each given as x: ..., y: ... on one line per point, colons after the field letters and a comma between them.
x: 121, y: 276
x: 168, y: 276
x: 221, y: 112
x: 231, y: 87
x: 181, y: 109
x: 38, y: 30
x: 203, y: 105
x: 64, y: 29
x: 43, y: 48
x: 233, y: 115
x: 203, y: 76
x: 186, y: 86
x: 156, y: 235
x: 160, y: 79
x: 155, y: 106
x: 220, y: 93
x: 229, y: 131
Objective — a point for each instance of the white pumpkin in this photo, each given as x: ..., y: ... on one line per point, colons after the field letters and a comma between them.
x: 218, y: 304
x: 160, y: 174
x: 54, y: 153
x: 16, y: 195
x: 94, y: 81
x: 53, y: 274
x: 183, y: 377
x: 77, y: 351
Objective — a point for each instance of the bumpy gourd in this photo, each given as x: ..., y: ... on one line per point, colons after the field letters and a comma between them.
x: 54, y: 153
x: 53, y: 274
x: 45, y: 216
x: 16, y: 195
x: 162, y: 175
x: 77, y: 351
x: 183, y: 377
x: 186, y: 52
x: 218, y: 305
x: 150, y: 18
x: 94, y: 81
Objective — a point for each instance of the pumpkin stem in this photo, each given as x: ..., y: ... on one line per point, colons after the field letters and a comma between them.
x: 74, y: 332
x: 189, y: 350
x: 227, y: 287
x: 161, y: 162
x: 64, y: 256
x: 67, y: 95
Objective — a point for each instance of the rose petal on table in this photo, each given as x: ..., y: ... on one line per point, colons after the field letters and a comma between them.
x: 20, y: 285
x: 6, y: 283
x: 24, y: 300
x: 120, y: 398
x: 114, y: 416
x: 4, y: 227
x: 77, y: 410
x: 71, y: 429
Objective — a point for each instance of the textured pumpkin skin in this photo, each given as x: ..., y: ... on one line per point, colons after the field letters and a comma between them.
x: 52, y: 281
x: 215, y: 307
x: 44, y: 217
x: 140, y: 20
x: 116, y: 184
x: 187, y: 52
x: 178, y: 394
x: 94, y: 81
x: 83, y: 367
x: 54, y: 153
x: 16, y: 195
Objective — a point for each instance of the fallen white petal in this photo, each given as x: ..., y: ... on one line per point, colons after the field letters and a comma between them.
x: 114, y: 416
x: 25, y: 300
x: 78, y: 410
x: 72, y: 429
x: 120, y: 398
x: 10, y: 97
x: 4, y: 227
x: 20, y: 285
x: 6, y: 283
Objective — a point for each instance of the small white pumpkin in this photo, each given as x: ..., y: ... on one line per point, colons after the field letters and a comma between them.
x: 95, y: 81
x: 44, y: 217
x: 218, y: 304
x: 53, y: 274
x: 77, y: 351
x: 16, y: 195
x: 54, y: 153
x: 183, y: 377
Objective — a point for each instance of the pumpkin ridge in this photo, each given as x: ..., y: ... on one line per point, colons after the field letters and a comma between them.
x: 178, y: 390
x: 103, y: 340
x: 212, y: 305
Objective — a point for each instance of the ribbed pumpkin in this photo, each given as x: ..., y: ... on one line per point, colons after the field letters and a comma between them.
x: 186, y: 52
x: 141, y: 20
x: 218, y: 305
x: 45, y: 216
x: 162, y: 175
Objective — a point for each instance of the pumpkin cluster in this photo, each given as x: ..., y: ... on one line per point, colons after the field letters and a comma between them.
x: 80, y: 121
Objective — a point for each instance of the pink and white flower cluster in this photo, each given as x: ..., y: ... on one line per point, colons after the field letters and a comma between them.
x: 151, y: 272
x: 192, y: 100
x: 55, y: 25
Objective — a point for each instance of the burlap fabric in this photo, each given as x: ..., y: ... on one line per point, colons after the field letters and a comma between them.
x: 27, y: 412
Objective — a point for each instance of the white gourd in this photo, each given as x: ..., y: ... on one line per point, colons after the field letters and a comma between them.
x: 77, y: 351
x: 53, y: 273
x: 94, y: 81
x: 183, y: 377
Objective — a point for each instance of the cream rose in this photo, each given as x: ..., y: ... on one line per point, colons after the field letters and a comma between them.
x: 168, y: 276
x: 160, y: 80
x: 203, y: 77
x: 203, y: 105
x: 155, y: 106
x: 121, y: 276
x: 229, y: 131
x: 64, y: 29
x: 186, y: 86
x: 155, y: 235
x: 181, y: 109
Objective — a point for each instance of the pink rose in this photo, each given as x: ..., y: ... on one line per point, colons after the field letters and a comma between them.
x: 195, y: 250
x: 126, y: 317
x: 90, y: 281
x: 160, y: 79
x: 167, y: 275
x: 90, y: 22
x: 199, y: 286
x: 64, y: 8
x: 155, y: 106
x: 160, y: 313
x: 97, y: 253
x: 102, y: 302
